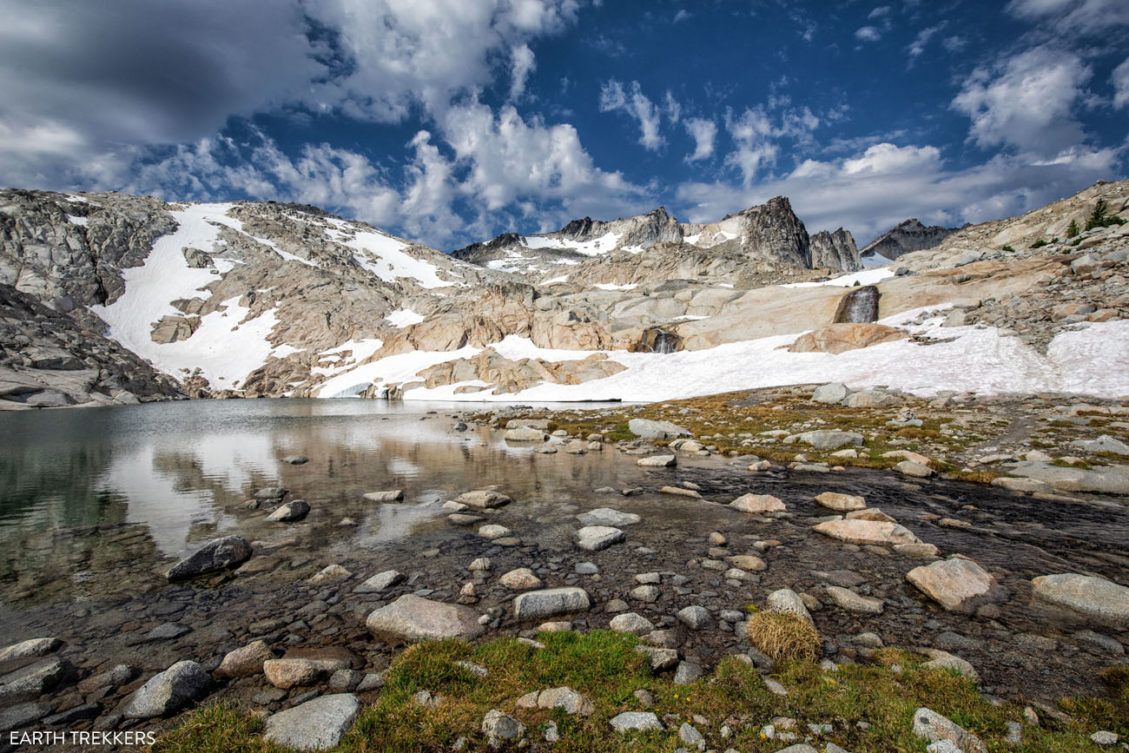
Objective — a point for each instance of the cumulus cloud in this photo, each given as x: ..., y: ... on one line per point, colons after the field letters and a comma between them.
x: 425, y: 53
x: 631, y: 100
x: 1120, y: 80
x: 704, y: 133
x: 885, y: 184
x: 1027, y: 101
x: 756, y: 134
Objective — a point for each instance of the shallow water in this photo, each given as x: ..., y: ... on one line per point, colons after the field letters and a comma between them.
x: 95, y: 504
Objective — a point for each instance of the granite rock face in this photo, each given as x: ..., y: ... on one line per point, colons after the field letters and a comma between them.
x: 835, y: 250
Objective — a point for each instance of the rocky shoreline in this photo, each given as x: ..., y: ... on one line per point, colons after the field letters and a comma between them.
x: 683, y: 552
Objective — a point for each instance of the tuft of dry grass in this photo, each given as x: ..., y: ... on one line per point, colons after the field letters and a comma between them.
x: 783, y: 636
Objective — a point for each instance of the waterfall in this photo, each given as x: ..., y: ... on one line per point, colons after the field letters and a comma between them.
x: 665, y: 342
x: 859, y: 306
x: 658, y: 340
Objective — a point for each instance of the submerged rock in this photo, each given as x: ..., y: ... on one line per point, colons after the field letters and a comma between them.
x: 957, y: 584
x: 169, y: 691
x: 221, y: 554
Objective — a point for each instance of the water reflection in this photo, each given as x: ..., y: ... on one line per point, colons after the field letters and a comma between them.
x: 74, y: 482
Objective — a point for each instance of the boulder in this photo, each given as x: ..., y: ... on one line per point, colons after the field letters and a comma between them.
x: 635, y: 721
x: 658, y: 461
x: 830, y: 393
x: 29, y: 648
x: 839, y: 338
x: 291, y: 512
x: 293, y: 672
x: 830, y: 439
x: 501, y: 729
x: 1098, y: 599
x: 957, y: 584
x: 314, y: 725
x: 931, y: 726
x: 597, y: 538
x: 916, y: 470
x: 549, y: 602
x: 606, y: 516
x: 525, y: 434
x: 483, y: 499
x: 853, y: 602
x: 866, y: 532
x: 789, y: 602
x: 757, y: 503
x: 412, y: 618
x: 566, y: 699
x: 630, y: 622
x: 217, y: 555
x: 169, y: 691
x: 29, y: 682
x: 841, y: 502
x: 244, y: 661
x: 647, y: 429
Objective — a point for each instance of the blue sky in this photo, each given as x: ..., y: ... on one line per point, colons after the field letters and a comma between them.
x: 450, y: 121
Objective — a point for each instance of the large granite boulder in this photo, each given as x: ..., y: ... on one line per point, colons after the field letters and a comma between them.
x: 867, y: 532
x: 535, y: 605
x: 958, y: 584
x: 1097, y: 599
x: 314, y: 725
x: 412, y: 618
x: 169, y: 691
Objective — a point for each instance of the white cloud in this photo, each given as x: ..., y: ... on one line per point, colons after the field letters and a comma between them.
x: 614, y: 97
x: 1073, y: 16
x: 681, y: 15
x: 671, y: 107
x: 509, y: 158
x: 522, y: 64
x: 917, y: 47
x: 704, y: 133
x: 879, y: 12
x: 757, y: 130
x: 868, y: 34
x: 1120, y: 80
x: 1027, y: 101
x: 872, y: 191
x: 425, y: 52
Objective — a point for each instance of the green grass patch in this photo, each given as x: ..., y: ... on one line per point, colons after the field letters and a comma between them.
x: 870, y: 706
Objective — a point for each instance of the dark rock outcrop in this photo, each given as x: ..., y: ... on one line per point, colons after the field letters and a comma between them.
x: 904, y: 238
x: 835, y: 251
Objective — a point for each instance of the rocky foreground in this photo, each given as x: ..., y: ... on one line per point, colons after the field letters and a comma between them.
x: 736, y: 589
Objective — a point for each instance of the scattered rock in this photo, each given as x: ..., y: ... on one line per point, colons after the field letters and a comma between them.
x: 314, y: 725
x: 606, y: 516
x: 290, y: 512
x: 390, y: 495
x: 636, y: 721
x: 853, y: 602
x: 694, y: 617
x: 217, y: 555
x: 535, y: 605
x: 866, y: 532
x: 957, y: 584
x: 597, y: 538
x: 520, y: 579
x: 501, y: 729
x: 658, y: 461
x: 412, y: 618
x: 757, y: 503
x: 931, y: 726
x: 647, y: 429
x: 630, y: 622
x: 169, y: 691
x: 380, y: 582
x: 1101, y: 600
x: 841, y: 502
x: 244, y: 661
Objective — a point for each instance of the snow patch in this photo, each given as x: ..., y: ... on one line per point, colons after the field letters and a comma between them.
x: 614, y: 286
x: 403, y: 318
x: 865, y: 277
x: 595, y: 247
x: 74, y: 219
x: 384, y: 256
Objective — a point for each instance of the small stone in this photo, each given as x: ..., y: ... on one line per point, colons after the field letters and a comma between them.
x: 646, y: 594
x: 483, y: 499
x: 691, y: 736
x: 916, y: 470
x: 853, y: 602
x: 630, y: 622
x: 749, y: 562
x: 380, y: 582
x: 501, y: 729
x: 636, y: 721
x: 597, y: 538
x: 520, y: 579
x: 412, y: 618
x: 957, y: 584
x: 1104, y: 738
x: 550, y: 602
x: 244, y: 661
x: 658, y: 461
x: 930, y: 725
x: 331, y: 574
x: 694, y: 617
x: 566, y: 699
x: 389, y: 495
x: 687, y: 673
x: 493, y: 531
x: 225, y: 553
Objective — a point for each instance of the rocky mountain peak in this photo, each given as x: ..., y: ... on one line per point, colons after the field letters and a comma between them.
x: 905, y: 237
x: 835, y: 250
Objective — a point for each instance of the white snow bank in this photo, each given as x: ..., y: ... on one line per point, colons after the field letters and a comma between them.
x: 398, y: 368
x: 1092, y: 361
x: 74, y: 219
x: 403, y: 318
x: 595, y: 247
x: 865, y: 277
x: 614, y: 286
x: 385, y: 257
x: 225, y: 347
